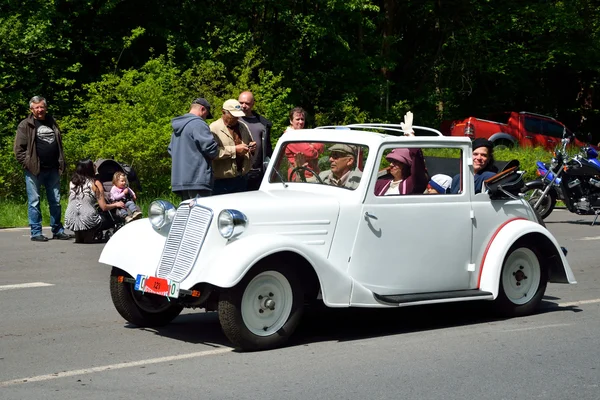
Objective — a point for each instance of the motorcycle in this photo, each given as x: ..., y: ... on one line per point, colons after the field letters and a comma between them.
x: 574, y: 180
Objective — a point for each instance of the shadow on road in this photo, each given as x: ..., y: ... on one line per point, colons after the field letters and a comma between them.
x: 575, y: 222
x: 321, y: 324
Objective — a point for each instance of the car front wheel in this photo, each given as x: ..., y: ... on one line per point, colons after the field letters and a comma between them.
x: 263, y: 310
x: 523, y: 281
x: 141, y: 309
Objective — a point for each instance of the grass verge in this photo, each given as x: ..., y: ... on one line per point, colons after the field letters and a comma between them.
x: 13, y: 213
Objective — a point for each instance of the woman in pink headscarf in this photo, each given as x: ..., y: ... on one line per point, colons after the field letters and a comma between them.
x: 407, y: 168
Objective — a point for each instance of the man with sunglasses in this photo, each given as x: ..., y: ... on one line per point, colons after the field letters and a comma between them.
x: 342, y: 172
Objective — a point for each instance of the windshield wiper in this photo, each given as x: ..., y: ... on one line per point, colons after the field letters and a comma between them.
x: 280, y: 177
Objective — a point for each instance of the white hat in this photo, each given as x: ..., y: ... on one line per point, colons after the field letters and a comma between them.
x: 440, y: 183
x: 234, y: 107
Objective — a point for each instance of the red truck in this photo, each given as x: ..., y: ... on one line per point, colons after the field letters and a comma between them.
x: 511, y: 128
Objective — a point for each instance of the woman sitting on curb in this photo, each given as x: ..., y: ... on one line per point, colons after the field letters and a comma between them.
x: 86, y: 199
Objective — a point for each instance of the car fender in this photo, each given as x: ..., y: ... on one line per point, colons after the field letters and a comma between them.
x: 502, y: 136
x: 136, y: 248
x: 226, y: 267
x: 500, y: 243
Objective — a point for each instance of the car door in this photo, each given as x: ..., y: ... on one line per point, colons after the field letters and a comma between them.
x: 553, y: 131
x: 534, y: 132
x: 413, y: 243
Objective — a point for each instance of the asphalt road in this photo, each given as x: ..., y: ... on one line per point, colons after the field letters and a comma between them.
x: 60, y: 338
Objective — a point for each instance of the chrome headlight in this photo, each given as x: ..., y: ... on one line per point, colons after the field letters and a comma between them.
x: 231, y: 223
x: 161, y: 214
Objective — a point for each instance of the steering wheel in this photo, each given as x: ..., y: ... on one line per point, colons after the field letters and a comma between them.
x: 302, y: 177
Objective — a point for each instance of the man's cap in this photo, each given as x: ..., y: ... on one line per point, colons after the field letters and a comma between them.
x: 203, y: 102
x: 440, y: 183
x: 400, y: 155
x: 344, y: 148
x: 482, y: 142
x: 234, y: 107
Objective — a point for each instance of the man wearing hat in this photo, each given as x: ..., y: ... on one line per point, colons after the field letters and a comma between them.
x: 483, y: 165
x: 192, y: 149
x: 232, y: 164
x: 342, y: 172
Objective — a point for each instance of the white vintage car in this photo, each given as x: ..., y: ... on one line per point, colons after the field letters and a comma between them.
x: 311, y: 235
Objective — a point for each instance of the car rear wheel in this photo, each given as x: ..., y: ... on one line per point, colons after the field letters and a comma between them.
x: 138, y: 308
x: 264, y: 309
x: 503, y: 144
x: 523, y: 281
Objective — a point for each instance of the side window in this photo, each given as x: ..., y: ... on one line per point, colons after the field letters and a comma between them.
x: 415, y: 171
x: 533, y: 125
x: 553, y: 129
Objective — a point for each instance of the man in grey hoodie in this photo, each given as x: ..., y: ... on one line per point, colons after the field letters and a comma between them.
x: 192, y: 150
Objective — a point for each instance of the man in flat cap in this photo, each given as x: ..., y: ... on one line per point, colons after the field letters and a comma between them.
x: 342, y: 172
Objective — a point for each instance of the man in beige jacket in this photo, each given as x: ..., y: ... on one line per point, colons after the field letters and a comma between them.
x: 232, y: 164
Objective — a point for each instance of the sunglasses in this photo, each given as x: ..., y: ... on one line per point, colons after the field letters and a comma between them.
x: 335, y: 155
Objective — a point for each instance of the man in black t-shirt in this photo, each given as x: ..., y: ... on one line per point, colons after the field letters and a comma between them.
x: 260, y: 129
x: 38, y: 148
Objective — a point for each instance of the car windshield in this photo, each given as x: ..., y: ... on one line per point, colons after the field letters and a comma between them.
x: 337, y: 164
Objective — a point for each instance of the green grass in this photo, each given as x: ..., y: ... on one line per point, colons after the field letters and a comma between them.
x: 13, y: 213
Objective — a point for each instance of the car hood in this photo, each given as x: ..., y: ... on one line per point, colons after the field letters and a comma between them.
x: 309, y: 217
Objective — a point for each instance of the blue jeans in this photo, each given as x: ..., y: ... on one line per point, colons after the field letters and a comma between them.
x: 51, y: 181
x: 230, y: 185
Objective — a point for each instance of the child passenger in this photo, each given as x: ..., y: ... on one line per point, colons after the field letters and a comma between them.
x: 439, y: 184
x: 122, y: 192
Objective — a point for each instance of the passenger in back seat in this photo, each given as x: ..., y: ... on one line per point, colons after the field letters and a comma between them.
x: 483, y: 165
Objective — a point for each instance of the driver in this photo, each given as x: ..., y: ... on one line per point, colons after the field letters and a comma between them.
x: 342, y: 172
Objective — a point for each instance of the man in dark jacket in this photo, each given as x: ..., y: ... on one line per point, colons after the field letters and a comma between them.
x: 192, y: 150
x: 38, y: 148
x: 260, y: 129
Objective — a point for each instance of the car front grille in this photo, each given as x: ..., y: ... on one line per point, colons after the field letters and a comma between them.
x: 184, y: 242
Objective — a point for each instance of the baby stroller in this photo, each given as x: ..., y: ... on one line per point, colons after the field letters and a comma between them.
x: 105, y: 169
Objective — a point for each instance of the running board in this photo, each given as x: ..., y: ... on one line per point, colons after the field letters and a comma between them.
x: 453, y: 295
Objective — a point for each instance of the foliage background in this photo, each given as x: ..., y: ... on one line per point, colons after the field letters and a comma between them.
x: 115, y: 72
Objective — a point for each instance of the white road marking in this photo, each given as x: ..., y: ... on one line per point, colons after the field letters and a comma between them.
x: 589, y: 238
x: 25, y: 285
x: 578, y: 303
x: 535, y: 327
x: 85, y: 371
x: 220, y: 350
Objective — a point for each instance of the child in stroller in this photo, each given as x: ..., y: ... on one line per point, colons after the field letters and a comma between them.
x: 121, y: 191
x: 105, y: 171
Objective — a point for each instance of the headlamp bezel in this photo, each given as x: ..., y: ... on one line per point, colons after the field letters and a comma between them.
x: 161, y: 214
x: 231, y: 223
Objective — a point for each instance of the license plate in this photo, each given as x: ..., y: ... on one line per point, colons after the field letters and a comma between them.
x: 159, y: 286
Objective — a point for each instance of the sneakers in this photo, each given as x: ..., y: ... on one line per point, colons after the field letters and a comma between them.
x: 128, y: 219
x: 39, y: 238
x: 61, y: 236
x: 136, y: 215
